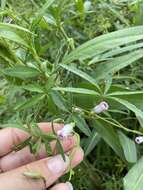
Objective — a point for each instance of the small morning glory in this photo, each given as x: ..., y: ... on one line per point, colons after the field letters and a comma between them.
x: 103, y: 106
x: 139, y: 139
x: 66, y: 131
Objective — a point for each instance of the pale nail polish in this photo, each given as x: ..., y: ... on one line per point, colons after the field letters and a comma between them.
x: 57, y: 165
x: 69, y: 185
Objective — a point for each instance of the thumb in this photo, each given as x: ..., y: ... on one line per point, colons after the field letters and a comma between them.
x: 50, y: 168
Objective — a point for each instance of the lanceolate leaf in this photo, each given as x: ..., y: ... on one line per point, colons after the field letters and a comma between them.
x: 105, y: 42
x: 129, y: 147
x: 112, y: 66
x: 134, y: 179
x: 137, y: 111
x: 59, y: 101
x: 76, y: 90
x: 30, y: 102
x: 22, y: 72
x: 91, y: 142
x: 80, y: 73
x: 109, y: 135
x: 81, y: 124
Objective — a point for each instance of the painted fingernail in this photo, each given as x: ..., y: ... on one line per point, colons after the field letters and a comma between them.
x: 69, y: 185
x: 57, y: 165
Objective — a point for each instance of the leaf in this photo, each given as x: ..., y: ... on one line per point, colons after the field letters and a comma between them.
x: 103, y: 43
x: 42, y: 11
x: 33, y: 88
x: 60, y: 149
x: 14, y: 125
x: 22, y: 72
x: 76, y: 90
x: 80, y: 74
x: 134, y: 178
x: 81, y: 124
x: 129, y: 147
x: 91, y: 142
x: 59, y: 100
x: 133, y: 108
x: 116, y: 64
x: 124, y: 93
x: 109, y: 135
x: 14, y: 26
x: 13, y: 36
x: 30, y: 102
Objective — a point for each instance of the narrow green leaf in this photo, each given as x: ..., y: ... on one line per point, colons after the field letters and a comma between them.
x: 22, y: 72
x: 116, y: 64
x: 81, y: 124
x: 30, y: 102
x: 129, y: 147
x: 134, y: 179
x: 91, y: 142
x: 133, y: 108
x: 104, y: 42
x: 33, y: 88
x: 81, y: 74
x: 76, y: 90
x: 109, y: 135
x: 59, y: 101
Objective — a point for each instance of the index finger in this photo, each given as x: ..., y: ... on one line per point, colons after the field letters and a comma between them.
x: 10, y: 137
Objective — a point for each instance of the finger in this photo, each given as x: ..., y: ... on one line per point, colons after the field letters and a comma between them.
x: 63, y: 186
x: 24, y: 156
x: 50, y: 168
x: 10, y: 137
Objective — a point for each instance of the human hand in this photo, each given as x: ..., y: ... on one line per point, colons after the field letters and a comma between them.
x: 14, y: 164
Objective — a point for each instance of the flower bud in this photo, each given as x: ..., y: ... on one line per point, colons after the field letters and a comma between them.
x: 139, y: 140
x: 76, y: 109
x: 66, y: 131
x: 87, y: 5
x: 103, y: 106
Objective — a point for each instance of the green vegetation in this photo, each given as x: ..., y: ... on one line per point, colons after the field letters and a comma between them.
x: 60, y: 55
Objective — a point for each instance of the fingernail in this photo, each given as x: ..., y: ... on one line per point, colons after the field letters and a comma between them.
x: 69, y: 185
x: 57, y: 165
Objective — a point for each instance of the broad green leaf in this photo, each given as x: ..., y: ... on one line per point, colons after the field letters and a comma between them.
x: 59, y: 101
x: 105, y: 42
x: 129, y: 147
x: 91, y: 142
x: 133, y: 108
x: 22, y: 72
x: 76, y: 90
x: 109, y: 135
x: 81, y: 124
x: 30, y: 102
x: 116, y: 64
x: 80, y: 73
x: 134, y: 178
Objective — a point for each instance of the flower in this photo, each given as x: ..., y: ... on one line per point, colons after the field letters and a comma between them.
x: 66, y: 131
x: 139, y: 140
x: 103, y: 106
x: 87, y: 5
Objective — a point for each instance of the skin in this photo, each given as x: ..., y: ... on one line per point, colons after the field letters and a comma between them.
x: 14, y: 164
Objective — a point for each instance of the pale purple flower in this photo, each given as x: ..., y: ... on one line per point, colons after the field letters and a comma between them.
x: 66, y: 131
x: 103, y: 106
x: 139, y: 139
x: 87, y: 5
